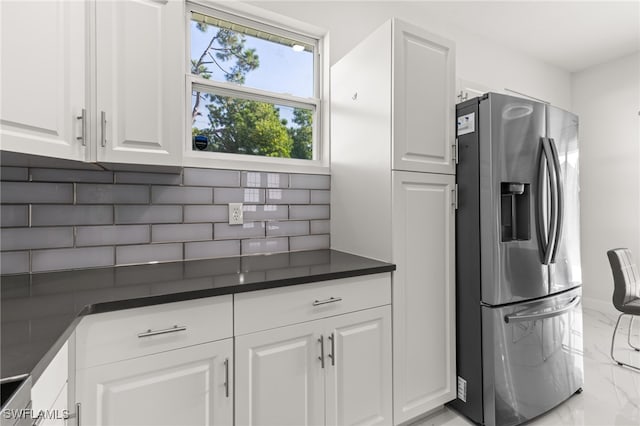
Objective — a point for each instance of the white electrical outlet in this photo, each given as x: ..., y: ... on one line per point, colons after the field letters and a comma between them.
x: 235, y: 214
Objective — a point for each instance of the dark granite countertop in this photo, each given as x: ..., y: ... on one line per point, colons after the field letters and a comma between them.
x: 40, y: 311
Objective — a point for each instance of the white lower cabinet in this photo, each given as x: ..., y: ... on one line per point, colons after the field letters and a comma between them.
x: 358, y: 375
x: 424, y: 341
x: 279, y: 380
x: 49, y: 392
x: 188, y: 386
x: 333, y: 371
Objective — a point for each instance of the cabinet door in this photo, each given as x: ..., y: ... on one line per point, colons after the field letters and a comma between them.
x: 279, y: 378
x: 423, y: 293
x: 140, y: 81
x: 42, y: 77
x: 358, y: 368
x: 423, y: 100
x: 55, y: 416
x: 189, y: 386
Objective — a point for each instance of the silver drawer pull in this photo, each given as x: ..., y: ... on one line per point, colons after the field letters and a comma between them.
x: 329, y: 300
x: 173, y: 329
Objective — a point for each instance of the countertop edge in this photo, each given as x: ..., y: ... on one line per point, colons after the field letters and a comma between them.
x: 111, y: 306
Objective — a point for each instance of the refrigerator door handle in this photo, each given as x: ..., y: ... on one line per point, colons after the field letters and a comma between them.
x: 546, y: 237
x: 527, y: 315
x: 540, y: 222
x: 560, y: 198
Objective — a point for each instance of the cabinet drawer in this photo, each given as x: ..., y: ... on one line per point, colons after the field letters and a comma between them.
x: 130, y: 333
x: 265, y: 309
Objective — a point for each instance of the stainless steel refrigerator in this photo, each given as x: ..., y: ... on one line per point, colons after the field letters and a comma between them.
x: 518, y: 278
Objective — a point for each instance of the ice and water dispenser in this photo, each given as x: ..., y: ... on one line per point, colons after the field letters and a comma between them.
x: 515, y: 217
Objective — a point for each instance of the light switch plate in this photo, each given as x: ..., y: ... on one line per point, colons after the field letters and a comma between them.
x: 235, y: 214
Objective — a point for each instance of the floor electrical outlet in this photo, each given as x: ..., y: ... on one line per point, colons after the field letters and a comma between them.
x: 235, y: 214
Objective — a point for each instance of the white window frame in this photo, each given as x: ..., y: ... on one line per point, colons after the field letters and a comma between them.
x: 254, y: 17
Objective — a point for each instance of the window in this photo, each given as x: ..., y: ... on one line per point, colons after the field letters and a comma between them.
x: 255, y: 88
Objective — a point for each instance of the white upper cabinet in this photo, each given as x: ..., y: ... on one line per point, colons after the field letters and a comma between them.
x: 140, y: 81
x: 397, y: 85
x: 124, y: 69
x: 423, y: 100
x: 43, y: 77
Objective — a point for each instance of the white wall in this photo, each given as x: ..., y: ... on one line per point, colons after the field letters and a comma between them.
x: 477, y: 60
x: 607, y: 99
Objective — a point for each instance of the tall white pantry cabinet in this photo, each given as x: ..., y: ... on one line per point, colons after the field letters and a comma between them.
x: 393, y: 195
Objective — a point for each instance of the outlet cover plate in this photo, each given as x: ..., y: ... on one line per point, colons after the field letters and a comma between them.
x: 235, y: 214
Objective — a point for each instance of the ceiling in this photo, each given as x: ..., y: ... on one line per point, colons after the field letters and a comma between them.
x: 572, y: 35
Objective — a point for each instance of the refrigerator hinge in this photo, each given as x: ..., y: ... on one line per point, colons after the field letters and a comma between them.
x: 454, y: 197
x: 454, y: 151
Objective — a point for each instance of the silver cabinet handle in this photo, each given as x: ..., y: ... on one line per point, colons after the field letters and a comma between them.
x: 226, y: 377
x: 103, y: 128
x: 329, y: 300
x: 321, y: 357
x: 75, y: 415
x: 173, y: 329
x: 83, y: 137
x: 332, y: 355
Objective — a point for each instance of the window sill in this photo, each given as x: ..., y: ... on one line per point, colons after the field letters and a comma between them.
x: 260, y: 164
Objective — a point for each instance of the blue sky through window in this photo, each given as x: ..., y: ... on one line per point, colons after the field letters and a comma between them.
x: 281, y: 69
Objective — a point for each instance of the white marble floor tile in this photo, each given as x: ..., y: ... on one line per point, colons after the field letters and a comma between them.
x: 611, y: 395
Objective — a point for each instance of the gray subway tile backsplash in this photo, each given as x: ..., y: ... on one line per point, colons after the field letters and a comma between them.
x: 238, y: 195
x: 14, y: 262
x: 309, y: 242
x: 35, y: 238
x: 112, y: 235
x: 148, y: 214
x: 57, y: 219
x: 320, y: 226
x: 211, y: 177
x: 265, y: 245
x: 309, y: 212
x: 63, y: 175
x: 14, y: 173
x: 252, y: 212
x: 181, y: 232
x: 310, y: 181
x: 36, y: 192
x: 14, y: 215
x: 112, y: 194
x: 320, y: 196
x: 288, y: 196
x: 149, y: 178
x: 72, y: 258
x: 181, y: 195
x: 209, y: 249
x: 224, y: 231
x: 53, y: 214
x: 265, y: 180
x: 195, y: 214
x: 126, y: 255
x: 287, y: 228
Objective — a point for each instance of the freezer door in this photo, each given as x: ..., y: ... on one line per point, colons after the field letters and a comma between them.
x: 562, y: 131
x: 532, y: 357
x: 511, y: 131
